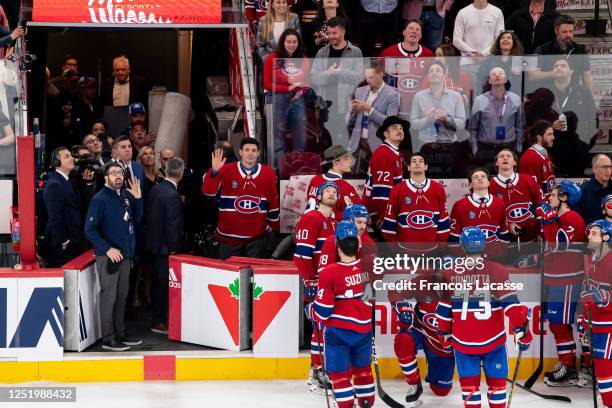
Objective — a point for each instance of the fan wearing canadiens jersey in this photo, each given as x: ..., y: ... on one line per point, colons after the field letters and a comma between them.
x: 473, y: 315
x: 386, y: 168
x: 348, y: 323
x: 341, y: 163
x: 358, y: 214
x: 418, y: 330
x: 407, y: 63
x: 480, y: 209
x: 248, y: 201
x: 416, y: 215
x: 536, y: 160
x: 597, y: 310
x: 310, y: 233
x: 521, y: 195
x: 563, y: 272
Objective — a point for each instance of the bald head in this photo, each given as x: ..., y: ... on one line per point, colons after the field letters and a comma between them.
x: 165, y: 155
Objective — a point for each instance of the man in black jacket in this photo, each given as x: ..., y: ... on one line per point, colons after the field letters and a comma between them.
x: 124, y: 88
x: 533, y: 31
x: 64, y: 230
x: 164, y: 219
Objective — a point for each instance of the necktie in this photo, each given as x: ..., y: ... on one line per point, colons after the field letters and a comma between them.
x: 127, y: 176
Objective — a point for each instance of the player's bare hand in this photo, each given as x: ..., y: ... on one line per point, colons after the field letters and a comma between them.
x: 217, y: 160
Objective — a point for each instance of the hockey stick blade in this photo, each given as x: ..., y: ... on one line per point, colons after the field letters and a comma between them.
x: 562, y: 398
x: 386, y: 398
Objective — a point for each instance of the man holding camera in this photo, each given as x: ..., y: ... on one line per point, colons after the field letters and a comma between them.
x: 109, y: 225
x: 64, y: 230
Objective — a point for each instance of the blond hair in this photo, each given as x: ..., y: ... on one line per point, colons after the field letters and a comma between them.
x: 271, y: 17
x: 139, y: 159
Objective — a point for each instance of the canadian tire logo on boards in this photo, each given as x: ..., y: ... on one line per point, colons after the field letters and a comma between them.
x: 266, y: 306
x: 227, y: 299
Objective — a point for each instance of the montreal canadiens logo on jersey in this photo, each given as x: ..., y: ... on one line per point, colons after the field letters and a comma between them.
x: 490, y: 231
x: 551, y: 183
x: 420, y: 219
x: 431, y: 321
x: 518, y: 212
x: 409, y: 83
x: 247, y: 204
x: 291, y: 69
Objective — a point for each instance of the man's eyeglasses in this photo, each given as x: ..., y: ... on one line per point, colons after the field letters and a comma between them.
x: 605, y: 167
x: 116, y: 173
x: 93, y: 141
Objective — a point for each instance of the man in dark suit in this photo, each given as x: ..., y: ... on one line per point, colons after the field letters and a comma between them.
x: 122, y: 154
x: 124, y: 88
x: 64, y: 230
x: 164, y: 217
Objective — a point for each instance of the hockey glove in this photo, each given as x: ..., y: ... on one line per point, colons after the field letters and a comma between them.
x: 582, y: 327
x: 405, y: 313
x: 310, y: 289
x: 522, y: 338
x: 545, y: 212
x: 309, y: 312
x: 595, y: 295
x: 526, y: 261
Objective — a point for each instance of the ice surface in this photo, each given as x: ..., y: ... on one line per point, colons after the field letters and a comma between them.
x: 267, y: 394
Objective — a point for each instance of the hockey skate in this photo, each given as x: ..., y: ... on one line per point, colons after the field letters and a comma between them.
x: 413, y: 397
x: 318, y: 380
x: 585, y: 377
x: 561, y: 376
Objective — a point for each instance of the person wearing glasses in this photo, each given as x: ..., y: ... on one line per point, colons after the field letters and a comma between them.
x: 596, y: 189
x: 110, y: 226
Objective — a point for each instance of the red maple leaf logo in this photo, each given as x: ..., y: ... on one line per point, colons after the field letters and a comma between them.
x: 266, y: 305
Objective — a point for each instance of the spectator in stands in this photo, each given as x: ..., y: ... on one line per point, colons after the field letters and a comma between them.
x: 124, y: 88
x: 431, y: 13
x: 596, y: 188
x: 378, y: 18
x: 536, y: 160
x: 570, y: 96
x: 164, y: 217
x: 168, y: 153
x: 308, y: 10
x: 328, y: 9
x: 407, y: 65
x: 271, y: 27
x: 152, y: 176
x: 64, y: 230
x: 109, y: 225
x: 506, y: 46
x: 563, y: 44
x: 254, y: 10
x: 455, y: 78
x: 497, y: 120
x: 476, y: 28
x: 94, y: 146
x: 86, y: 107
x: 437, y: 113
x: 138, y: 137
x: 539, y: 107
x: 98, y: 129
x: 534, y: 24
x: 249, y: 204
x: 70, y: 70
x: 336, y: 71
x: 370, y: 106
x: 122, y: 153
x: 286, y: 73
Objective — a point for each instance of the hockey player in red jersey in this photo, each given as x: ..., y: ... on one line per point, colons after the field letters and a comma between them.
x: 348, y: 326
x: 480, y: 209
x: 536, y: 160
x: 310, y: 233
x: 597, y: 312
x: 358, y: 214
x: 521, y: 195
x: 248, y: 201
x: 418, y: 330
x: 407, y: 63
x: 473, y: 315
x: 563, y: 273
x: 386, y: 168
x: 416, y: 216
x: 341, y: 162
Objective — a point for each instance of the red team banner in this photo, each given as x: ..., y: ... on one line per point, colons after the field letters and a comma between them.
x: 127, y: 11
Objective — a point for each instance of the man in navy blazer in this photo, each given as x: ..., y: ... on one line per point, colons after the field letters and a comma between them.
x: 64, y: 230
x: 122, y: 153
x: 164, y: 218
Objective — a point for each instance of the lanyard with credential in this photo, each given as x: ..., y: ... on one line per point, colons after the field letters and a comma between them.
x: 560, y: 108
x: 500, y: 115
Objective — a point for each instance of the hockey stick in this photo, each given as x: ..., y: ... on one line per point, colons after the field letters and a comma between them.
x: 318, y: 333
x: 590, y: 326
x: 536, y: 374
x: 561, y: 398
x: 386, y: 398
x: 518, y: 362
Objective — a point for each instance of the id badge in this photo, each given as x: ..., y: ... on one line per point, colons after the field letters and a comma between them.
x: 131, y: 229
x: 364, y: 122
x: 500, y: 133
